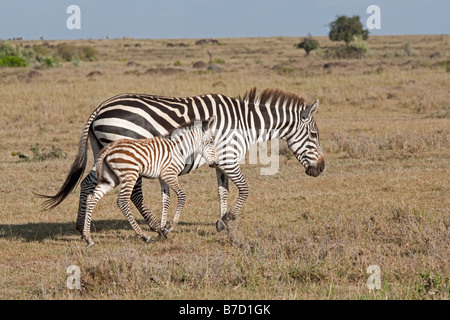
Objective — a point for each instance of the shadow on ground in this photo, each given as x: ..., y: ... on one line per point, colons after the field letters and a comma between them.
x: 66, y: 230
x: 51, y: 230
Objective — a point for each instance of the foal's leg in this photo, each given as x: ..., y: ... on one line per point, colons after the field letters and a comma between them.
x: 165, y: 199
x: 123, y: 202
x: 137, y: 198
x: 91, y: 200
x: 174, y: 184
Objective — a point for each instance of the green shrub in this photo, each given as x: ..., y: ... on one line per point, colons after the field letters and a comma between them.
x: 12, y: 61
x: 16, y: 57
x: 308, y: 44
x: 49, y: 62
x: 8, y: 50
x: 346, y: 28
x: 219, y: 61
x: 357, y: 49
x: 40, y: 155
x: 407, y: 50
x: 70, y: 52
x: 41, y: 50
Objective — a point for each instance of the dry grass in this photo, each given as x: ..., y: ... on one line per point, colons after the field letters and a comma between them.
x: 382, y: 200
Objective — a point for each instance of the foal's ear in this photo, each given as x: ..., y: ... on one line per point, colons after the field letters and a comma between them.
x: 310, y: 111
x: 209, y: 124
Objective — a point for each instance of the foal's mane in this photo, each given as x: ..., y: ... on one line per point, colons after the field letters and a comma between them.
x: 271, y: 96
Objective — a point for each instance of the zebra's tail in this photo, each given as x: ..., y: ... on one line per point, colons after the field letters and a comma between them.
x: 76, y: 171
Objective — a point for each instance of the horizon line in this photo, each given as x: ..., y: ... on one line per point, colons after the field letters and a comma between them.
x: 18, y: 38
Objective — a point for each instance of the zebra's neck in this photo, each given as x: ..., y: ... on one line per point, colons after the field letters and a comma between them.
x: 270, y: 121
x: 186, y: 141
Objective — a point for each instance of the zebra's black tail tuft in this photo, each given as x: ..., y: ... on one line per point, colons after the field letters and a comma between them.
x: 74, y: 176
x: 76, y: 171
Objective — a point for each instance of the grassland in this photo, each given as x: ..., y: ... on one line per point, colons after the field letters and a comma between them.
x: 383, y: 198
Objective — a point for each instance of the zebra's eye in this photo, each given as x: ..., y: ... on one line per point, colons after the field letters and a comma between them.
x: 313, y: 134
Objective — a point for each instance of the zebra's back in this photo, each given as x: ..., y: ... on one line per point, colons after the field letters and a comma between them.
x: 139, y: 116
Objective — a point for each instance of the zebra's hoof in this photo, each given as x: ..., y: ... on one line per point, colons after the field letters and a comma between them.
x: 220, y: 225
x: 90, y: 243
x: 147, y: 239
x: 165, y: 232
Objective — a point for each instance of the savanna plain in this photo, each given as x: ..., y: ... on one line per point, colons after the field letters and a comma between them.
x: 383, y: 198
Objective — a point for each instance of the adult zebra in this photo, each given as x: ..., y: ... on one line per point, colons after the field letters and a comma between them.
x: 241, y: 122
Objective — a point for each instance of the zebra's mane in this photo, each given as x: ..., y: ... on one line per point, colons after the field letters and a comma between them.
x: 272, y: 96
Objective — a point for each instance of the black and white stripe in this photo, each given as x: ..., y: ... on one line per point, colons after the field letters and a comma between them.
x: 241, y: 122
x: 127, y: 160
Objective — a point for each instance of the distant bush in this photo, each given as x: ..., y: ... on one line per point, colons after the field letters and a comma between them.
x: 49, y: 62
x: 42, y: 50
x: 22, y: 57
x: 11, y: 56
x: 219, y: 61
x: 346, y: 28
x: 7, y: 49
x: 308, y: 44
x: 40, y: 155
x: 357, y: 49
x: 12, y: 61
x: 407, y: 49
x: 70, y: 52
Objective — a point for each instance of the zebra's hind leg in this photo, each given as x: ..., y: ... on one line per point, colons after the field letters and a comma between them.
x: 87, y: 188
x: 91, y: 201
x: 124, y: 204
x: 137, y: 198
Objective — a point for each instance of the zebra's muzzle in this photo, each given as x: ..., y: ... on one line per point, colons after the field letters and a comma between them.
x: 213, y: 165
x: 316, y: 170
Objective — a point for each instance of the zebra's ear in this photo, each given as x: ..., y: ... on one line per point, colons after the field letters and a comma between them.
x: 314, y: 107
x: 310, y: 111
x: 211, y: 122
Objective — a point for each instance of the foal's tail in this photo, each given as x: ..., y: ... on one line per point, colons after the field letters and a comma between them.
x: 99, y: 162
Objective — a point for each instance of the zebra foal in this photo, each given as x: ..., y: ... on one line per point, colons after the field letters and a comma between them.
x: 125, y: 161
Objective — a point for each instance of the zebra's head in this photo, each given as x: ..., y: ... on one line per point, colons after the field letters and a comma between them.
x: 305, y: 144
x: 208, y: 147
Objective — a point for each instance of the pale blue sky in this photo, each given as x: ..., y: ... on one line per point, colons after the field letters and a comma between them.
x: 32, y: 19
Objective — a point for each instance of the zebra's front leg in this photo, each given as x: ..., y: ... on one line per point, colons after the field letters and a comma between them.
x: 222, y: 182
x: 235, y: 174
x: 137, y: 198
